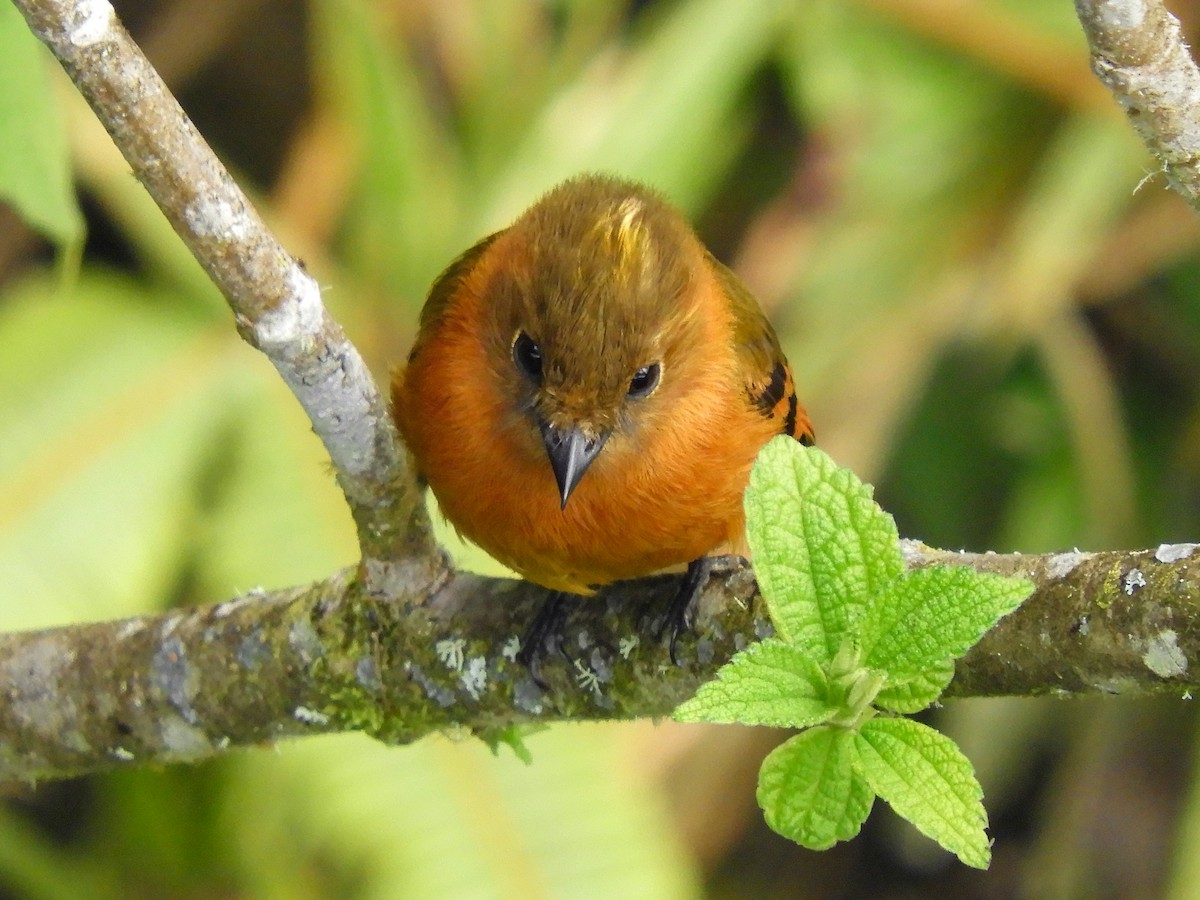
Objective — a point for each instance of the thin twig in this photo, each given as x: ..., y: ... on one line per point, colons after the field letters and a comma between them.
x: 1139, y: 53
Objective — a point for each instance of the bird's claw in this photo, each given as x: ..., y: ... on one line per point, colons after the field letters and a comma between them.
x: 678, y: 618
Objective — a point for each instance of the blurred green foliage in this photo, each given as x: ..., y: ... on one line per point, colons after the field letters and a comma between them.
x: 937, y: 201
x: 35, y: 169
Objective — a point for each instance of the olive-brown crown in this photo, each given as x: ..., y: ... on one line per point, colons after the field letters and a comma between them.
x: 592, y: 308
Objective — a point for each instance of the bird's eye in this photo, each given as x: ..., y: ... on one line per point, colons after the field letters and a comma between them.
x: 644, y: 381
x: 527, y: 355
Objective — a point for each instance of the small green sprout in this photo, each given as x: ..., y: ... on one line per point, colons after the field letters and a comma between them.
x: 859, y: 642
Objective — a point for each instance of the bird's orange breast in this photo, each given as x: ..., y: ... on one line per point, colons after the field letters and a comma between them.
x: 661, y: 494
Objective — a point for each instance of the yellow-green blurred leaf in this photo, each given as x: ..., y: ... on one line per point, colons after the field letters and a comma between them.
x: 35, y: 167
x: 136, y: 442
x: 573, y: 824
x: 279, y: 517
x: 667, y: 111
x: 108, y: 405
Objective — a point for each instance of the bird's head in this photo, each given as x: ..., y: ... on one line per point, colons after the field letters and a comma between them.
x: 590, y: 316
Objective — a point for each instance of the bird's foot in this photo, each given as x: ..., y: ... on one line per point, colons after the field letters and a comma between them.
x: 679, y: 614
x: 545, y: 630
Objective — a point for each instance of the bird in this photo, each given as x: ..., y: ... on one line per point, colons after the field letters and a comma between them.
x: 587, y: 392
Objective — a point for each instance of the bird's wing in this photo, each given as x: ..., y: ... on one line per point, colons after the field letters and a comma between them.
x: 767, y: 375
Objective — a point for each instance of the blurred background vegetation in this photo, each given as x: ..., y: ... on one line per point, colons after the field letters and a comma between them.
x: 991, y: 308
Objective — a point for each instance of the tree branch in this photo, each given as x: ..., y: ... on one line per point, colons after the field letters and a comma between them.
x: 1138, y: 52
x: 191, y: 684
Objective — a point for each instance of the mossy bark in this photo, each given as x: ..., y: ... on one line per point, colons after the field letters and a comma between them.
x: 338, y: 656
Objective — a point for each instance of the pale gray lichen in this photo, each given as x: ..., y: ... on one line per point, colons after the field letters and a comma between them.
x: 310, y: 716
x: 1169, y: 553
x: 182, y: 740
x: 1063, y: 564
x: 601, y: 665
x: 1134, y: 580
x: 438, y: 693
x: 1163, y: 656
x: 176, y: 678
x: 528, y: 697
x: 32, y: 677
x: 229, y: 607
x: 366, y: 673
x: 213, y: 214
x: 130, y: 628
x: 170, y: 623
x: 89, y: 22
x: 451, y: 653
x: 300, y: 316
x: 253, y: 650
x: 511, y: 648
x: 1124, y: 15
x: 304, y: 641
x: 586, y: 678
x: 474, y: 676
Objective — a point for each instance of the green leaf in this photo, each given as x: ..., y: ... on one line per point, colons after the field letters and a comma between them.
x: 821, y: 545
x: 809, y: 791
x: 770, y: 683
x: 928, y: 781
x: 931, y: 615
x: 513, y: 737
x: 916, y: 693
x: 35, y: 167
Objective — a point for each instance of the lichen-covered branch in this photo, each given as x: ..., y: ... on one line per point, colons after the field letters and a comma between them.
x: 276, y: 303
x: 1113, y: 622
x: 335, y: 657
x: 1139, y: 53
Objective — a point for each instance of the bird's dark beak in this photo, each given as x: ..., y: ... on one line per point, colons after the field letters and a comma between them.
x: 570, y: 452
